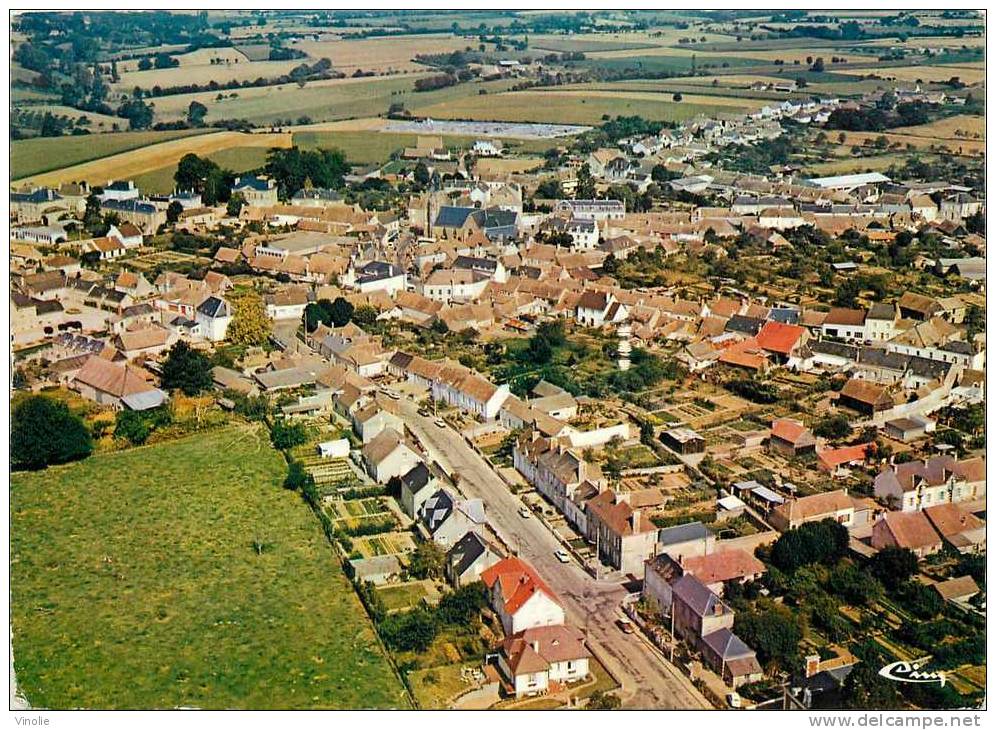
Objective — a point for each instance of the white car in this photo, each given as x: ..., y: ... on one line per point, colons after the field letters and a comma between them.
x: 524, y: 513
x: 562, y: 556
x: 440, y: 423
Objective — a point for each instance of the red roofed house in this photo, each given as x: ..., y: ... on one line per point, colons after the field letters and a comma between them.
x: 715, y: 569
x: 911, y: 530
x: 782, y: 341
x: 834, y: 505
x: 962, y: 530
x: 865, y: 396
x: 832, y: 460
x: 534, y: 658
x: 746, y: 354
x: 111, y: 384
x: 520, y: 597
x: 791, y: 438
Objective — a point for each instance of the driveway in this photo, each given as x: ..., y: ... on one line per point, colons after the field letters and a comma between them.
x: 648, y: 680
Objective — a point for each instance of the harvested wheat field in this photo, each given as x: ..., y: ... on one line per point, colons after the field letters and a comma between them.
x: 921, y: 73
x: 201, y: 57
x: 157, y: 156
x: 384, y: 55
x: 508, y: 166
x: 968, y: 147
x: 959, y: 127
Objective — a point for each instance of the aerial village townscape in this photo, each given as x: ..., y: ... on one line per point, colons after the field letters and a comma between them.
x: 497, y: 359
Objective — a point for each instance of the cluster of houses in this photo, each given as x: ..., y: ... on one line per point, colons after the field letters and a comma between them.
x: 470, y: 254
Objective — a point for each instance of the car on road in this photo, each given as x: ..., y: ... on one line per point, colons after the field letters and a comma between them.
x: 524, y: 513
x: 626, y: 626
x: 562, y: 556
x: 734, y: 701
x: 424, y: 412
x: 391, y: 394
x: 440, y: 423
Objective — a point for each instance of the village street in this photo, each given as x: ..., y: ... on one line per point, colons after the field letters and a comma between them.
x: 649, y: 681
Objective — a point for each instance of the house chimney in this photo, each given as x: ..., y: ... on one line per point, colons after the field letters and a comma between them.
x: 536, y: 646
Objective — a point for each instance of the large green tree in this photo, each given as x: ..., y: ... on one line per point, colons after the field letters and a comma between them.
x: 893, y: 566
x: 292, y: 167
x: 814, y: 542
x: 187, y: 370
x: 204, y: 176
x: 774, y: 634
x: 44, y: 431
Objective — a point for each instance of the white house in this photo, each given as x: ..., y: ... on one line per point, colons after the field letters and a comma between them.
x: 337, y: 449
x: 596, y: 308
x: 445, y: 519
x: 371, y: 419
x: 520, y: 598
x: 388, y: 456
x: 487, y: 148
x: 417, y: 485
x: 213, y: 315
x: 916, y: 485
x: 375, y: 276
x: 469, y: 557
x: 599, y: 210
x: 533, y: 658
x: 466, y: 389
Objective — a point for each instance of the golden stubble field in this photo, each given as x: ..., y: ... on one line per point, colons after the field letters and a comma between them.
x: 381, y: 55
x: 969, y: 74
x: 962, y: 134
x: 146, y: 159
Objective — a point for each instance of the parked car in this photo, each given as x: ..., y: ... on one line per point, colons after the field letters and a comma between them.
x: 440, y: 423
x: 734, y: 701
x: 524, y: 513
x: 562, y: 556
x: 626, y: 626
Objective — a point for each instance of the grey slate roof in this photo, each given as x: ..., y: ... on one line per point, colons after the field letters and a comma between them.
x: 213, y: 307
x: 745, y: 325
x: 451, y: 216
x: 689, y: 590
x: 465, y: 552
x: 416, y: 478
x: 727, y: 645
x: 682, y: 533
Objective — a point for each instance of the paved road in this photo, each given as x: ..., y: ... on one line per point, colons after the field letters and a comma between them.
x: 648, y: 680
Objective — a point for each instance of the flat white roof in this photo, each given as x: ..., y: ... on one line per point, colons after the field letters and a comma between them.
x: 847, y: 181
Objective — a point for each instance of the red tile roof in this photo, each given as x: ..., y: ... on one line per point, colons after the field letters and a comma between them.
x: 832, y: 458
x: 789, y: 430
x: 779, y: 337
x: 723, y: 566
x: 911, y: 529
x: 518, y: 581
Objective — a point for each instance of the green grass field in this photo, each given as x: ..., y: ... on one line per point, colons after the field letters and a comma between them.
x: 34, y: 156
x: 673, y: 64
x: 135, y: 584
x: 576, y: 107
